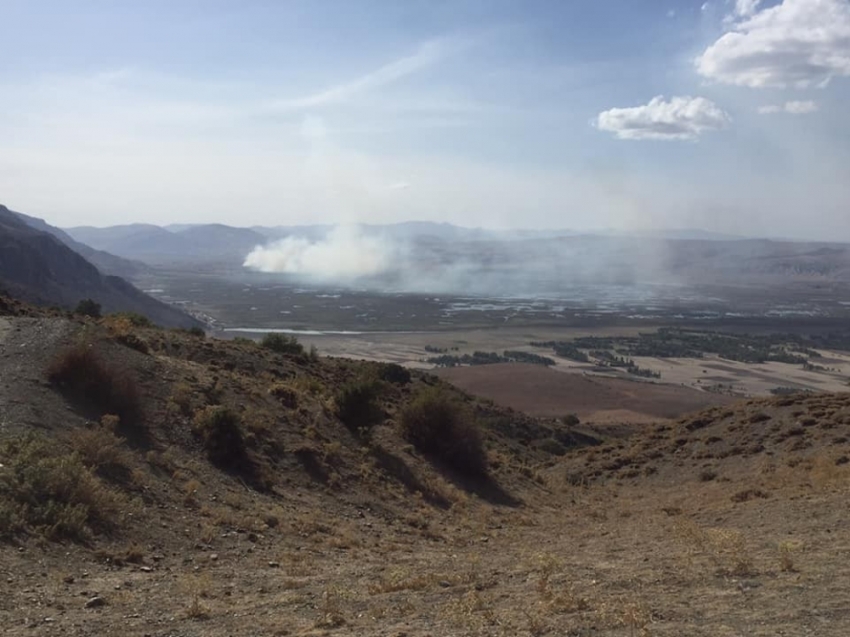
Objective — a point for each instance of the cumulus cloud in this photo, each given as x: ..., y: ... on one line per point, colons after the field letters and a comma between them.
x: 794, y: 108
x: 798, y: 43
x: 344, y: 254
x: 681, y: 118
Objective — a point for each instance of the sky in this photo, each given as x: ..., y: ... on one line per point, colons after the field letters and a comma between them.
x: 725, y: 115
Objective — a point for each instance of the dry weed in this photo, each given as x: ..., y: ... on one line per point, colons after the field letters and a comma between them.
x: 825, y: 474
x: 787, y: 550
x: 726, y: 549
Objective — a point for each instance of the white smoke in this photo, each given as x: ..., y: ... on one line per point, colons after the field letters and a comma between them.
x: 345, y: 253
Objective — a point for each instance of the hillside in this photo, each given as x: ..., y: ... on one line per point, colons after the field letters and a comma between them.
x: 38, y: 267
x: 230, y: 498
x: 103, y: 261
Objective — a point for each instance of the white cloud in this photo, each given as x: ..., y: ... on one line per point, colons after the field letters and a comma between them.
x: 427, y: 55
x: 794, y: 108
x: 746, y: 7
x: 682, y: 118
x: 798, y: 43
x: 801, y: 108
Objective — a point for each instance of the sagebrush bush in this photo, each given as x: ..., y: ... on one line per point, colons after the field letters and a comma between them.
x: 134, y: 318
x: 220, y: 431
x: 286, y: 394
x: 393, y: 373
x: 107, y: 388
x: 124, y: 328
x: 439, y: 425
x: 282, y: 343
x: 46, y: 490
x: 571, y: 420
x: 88, y: 307
x: 357, y: 404
x: 100, y: 450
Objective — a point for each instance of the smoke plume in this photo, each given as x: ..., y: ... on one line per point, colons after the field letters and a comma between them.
x: 344, y: 254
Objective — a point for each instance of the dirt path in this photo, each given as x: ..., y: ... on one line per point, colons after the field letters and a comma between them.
x: 26, y: 345
x: 5, y: 328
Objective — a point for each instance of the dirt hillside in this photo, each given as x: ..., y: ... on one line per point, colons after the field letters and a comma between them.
x: 233, y: 496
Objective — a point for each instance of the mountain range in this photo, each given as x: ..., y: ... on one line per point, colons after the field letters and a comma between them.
x: 442, y: 257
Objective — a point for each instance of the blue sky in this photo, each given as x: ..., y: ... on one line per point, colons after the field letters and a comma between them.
x: 630, y: 114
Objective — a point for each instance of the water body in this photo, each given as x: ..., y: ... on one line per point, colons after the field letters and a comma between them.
x: 272, y: 330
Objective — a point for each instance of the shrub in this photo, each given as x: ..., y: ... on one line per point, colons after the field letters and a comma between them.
x: 552, y: 446
x: 357, y: 405
x: 220, y: 430
x: 393, y: 373
x: 88, y: 307
x: 182, y: 395
x: 287, y: 396
x: 47, y: 491
x: 100, y: 450
x: 571, y: 420
x: 282, y: 344
x: 106, y: 388
x: 123, y: 329
x: 438, y: 425
x: 136, y: 319
x: 707, y: 475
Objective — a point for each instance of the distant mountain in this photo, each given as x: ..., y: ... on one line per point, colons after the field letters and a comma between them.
x: 515, y: 260
x: 183, y: 244
x: 38, y: 267
x: 204, y: 243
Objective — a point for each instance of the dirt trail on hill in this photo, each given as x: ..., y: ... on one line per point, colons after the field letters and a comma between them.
x: 26, y: 346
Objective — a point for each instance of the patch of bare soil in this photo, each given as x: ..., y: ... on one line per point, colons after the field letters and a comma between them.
x: 542, y: 392
x: 26, y: 401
